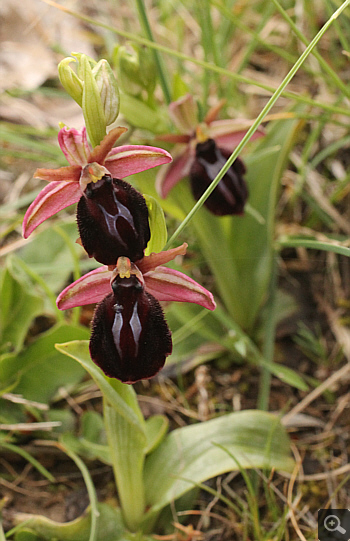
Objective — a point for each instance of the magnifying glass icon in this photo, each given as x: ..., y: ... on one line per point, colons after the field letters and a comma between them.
x: 332, y: 524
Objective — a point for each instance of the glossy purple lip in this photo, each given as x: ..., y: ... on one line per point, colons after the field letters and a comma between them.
x: 113, y: 221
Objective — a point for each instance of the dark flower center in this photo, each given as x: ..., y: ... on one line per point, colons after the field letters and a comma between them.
x: 130, y: 338
x: 113, y: 221
x: 230, y: 195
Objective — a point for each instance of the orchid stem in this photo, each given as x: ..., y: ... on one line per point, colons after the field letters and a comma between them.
x: 160, y: 67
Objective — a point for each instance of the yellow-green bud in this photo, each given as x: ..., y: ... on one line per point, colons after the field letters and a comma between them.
x: 70, y: 81
x: 108, y: 89
x: 94, y: 87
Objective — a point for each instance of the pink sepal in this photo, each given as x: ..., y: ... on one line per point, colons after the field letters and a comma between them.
x: 70, y: 173
x: 90, y: 288
x: 130, y: 159
x: 74, y: 145
x: 101, y: 151
x: 229, y: 133
x: 170, y: 175
x: 150, y: 262
x: 181, y: 138
x: 184, y: 113
x: 54, y: 197
x: 171, y: 285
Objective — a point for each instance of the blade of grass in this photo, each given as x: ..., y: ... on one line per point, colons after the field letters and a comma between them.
x: 257, y: 122
x: 325, y: 66
x: 159, y: 63
x: 208, y: 44
x: 290, y: 242
x: 89, y: 487
x: 251, y: 495
x: 29, y: 458
x: 342, y: 37
x: 253, y: 33
x: 253, y: 42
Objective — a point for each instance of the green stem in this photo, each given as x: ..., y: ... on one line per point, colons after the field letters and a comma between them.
x: 269, y: 342
x: 257, y: 123
x: 126, y: 448
x: 160, y: 67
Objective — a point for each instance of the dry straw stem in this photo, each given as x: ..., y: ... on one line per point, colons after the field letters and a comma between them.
x: 27, y: 427
x: 292, y: 505
x: 339, y: 375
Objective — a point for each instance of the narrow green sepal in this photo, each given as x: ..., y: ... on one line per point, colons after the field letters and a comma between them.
x: 94, y: 116
x: 157, y: 225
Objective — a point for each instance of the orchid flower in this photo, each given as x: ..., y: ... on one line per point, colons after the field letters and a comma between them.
x: 130, y: 338
x: 201, y: 149
x: 86, y: 165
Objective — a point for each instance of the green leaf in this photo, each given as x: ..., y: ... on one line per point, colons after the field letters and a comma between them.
x: 127, y: 449
x: 156, y: 429
x: 218, y: 327
x: 27, y: 535
x: 42, y: 369
x: 49, y: 255
x: 87, y: 449
x: 119, y: 395
x: 92, y: 442
x: 125, y: 428
x: 157, y: 225
x: 140, y: 115
x: 111, y: 526
x: 19, y: 306
x: 191, y: 455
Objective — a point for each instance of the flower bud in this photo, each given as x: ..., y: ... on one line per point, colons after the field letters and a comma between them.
x: 94, y: 87
x: 70, y: 81
x: 108, y: 89
x: 130, y: 338
x: 230, y: 195
x: 113, y: 220
x: 136, y: 70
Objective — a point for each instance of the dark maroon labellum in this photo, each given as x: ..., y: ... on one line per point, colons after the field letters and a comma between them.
x: 130, y: 338
x: 230, y: 195
x: 113, y: 221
